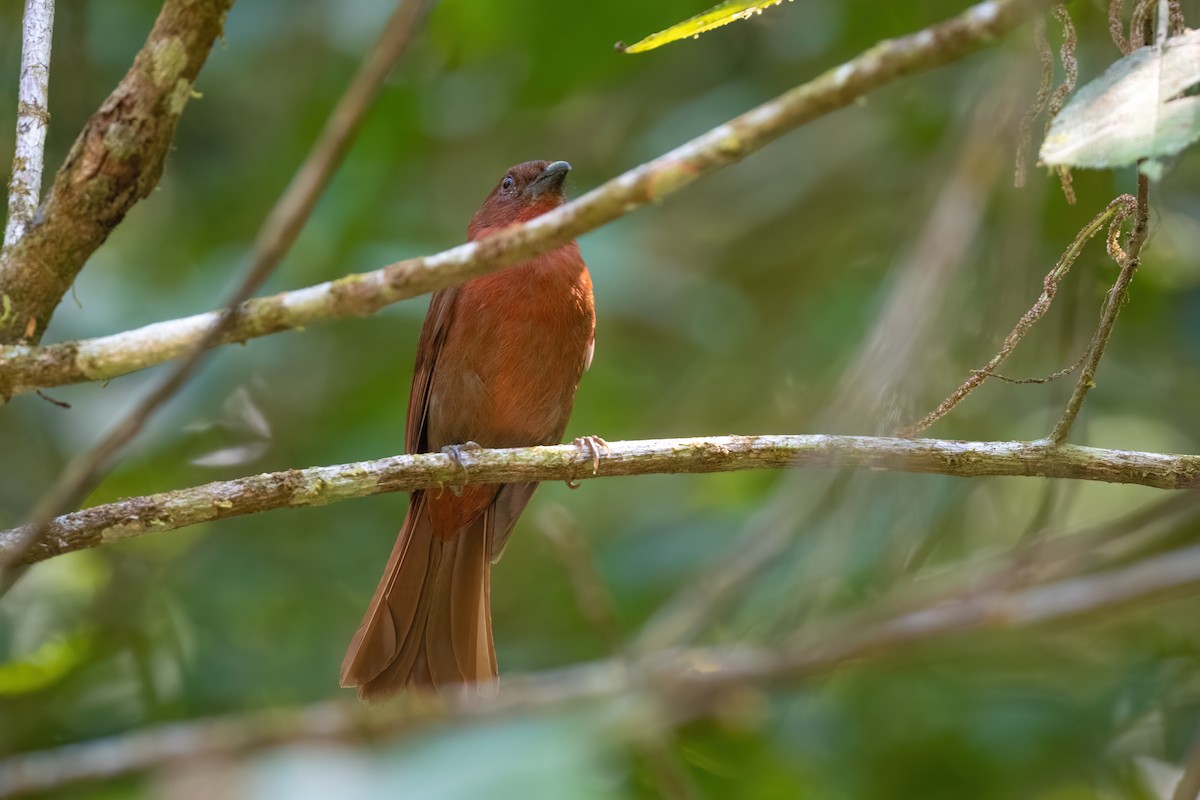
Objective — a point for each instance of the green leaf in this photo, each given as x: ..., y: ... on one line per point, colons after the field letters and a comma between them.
x: 45, y: 665
x: 715, y: 17
x: 1136, y: 110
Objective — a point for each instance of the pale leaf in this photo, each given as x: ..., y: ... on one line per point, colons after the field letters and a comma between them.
x: 1136, y: 110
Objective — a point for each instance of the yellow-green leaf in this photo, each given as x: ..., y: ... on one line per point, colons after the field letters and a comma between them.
x: 715, y: 17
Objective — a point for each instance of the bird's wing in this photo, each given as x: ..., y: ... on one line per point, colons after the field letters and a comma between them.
x: 429, y: 346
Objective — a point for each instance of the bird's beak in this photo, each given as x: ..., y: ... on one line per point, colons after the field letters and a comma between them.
x: 551, y: 179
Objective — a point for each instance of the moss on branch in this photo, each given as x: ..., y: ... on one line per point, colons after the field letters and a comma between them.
x: 168, y: 511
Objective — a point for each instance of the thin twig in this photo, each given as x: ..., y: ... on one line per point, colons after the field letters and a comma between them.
x: 1066, y: 54
x: 875, y: 386
x: 1112, y: 307
x: 23, y: 369
x: 1025, y: 136
x: 1178, y: 23
x: 568, y: 546
x: 1053, y: 376
x: 138, y: 516
x: 768, y: 534
x: 656, y: 740
x: 1116, y: 26
x: 689, y: 683
x: 1140, y: 30
x: 1161, y: 577
x: 276, y: 236
x: 1119, y: 208
x: 1129, y: 261
x: 1037, y: 558
x: 33, y: 117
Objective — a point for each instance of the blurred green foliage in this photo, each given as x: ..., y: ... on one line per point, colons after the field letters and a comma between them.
x: 735, y: 306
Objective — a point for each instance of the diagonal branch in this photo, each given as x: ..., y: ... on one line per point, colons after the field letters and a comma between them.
x: 1117, y: 211
x: 139, y: 516
x: 1113, y: 301
x: 33, y: 117
x: 688, y: 683
x: 275, y: 238
x: 23, y: 369
x: 115, y: 162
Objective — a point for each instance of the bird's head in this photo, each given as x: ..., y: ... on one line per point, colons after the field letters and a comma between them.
x: 526, y: 191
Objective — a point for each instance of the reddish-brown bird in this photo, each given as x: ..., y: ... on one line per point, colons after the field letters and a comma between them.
x: 498, y: 363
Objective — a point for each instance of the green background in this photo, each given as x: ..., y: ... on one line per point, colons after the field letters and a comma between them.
x: 735, y: 306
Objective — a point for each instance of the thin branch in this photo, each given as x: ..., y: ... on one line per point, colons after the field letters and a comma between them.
x: 1116, y: 26
x: 276, y: 236
x: 1161, y: 577
x: 688, y: 683
x: 23, y: 369
x: 168, y: 511
x: 115, y: 162
x: 33, y: 117
x: 1051, y: 378
x: 1025, y: 136
x: 286, y: 219
x: 1178, y: 23
x: 1112, y: 307
x: 874, y: 388
x: 595, y: 600
x: 1140, y: 30
x: 1118, y: 209
x: 1066, y: 54
x: 656, y: 740
x: 693, y: 607
x: 1040, y: 559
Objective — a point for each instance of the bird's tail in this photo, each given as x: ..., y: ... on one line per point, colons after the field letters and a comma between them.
x: 429, y: 623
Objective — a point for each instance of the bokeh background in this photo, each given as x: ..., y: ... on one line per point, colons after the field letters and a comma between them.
x: 844, y: 279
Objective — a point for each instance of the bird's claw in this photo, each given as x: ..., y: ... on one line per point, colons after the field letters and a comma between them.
x: 591, y: 445
x: 455, y: 452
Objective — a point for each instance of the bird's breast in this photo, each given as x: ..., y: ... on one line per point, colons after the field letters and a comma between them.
x: 513, y: 356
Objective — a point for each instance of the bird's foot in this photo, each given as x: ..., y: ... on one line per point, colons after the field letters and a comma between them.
x: 455, y: 452
x: 592, y: 446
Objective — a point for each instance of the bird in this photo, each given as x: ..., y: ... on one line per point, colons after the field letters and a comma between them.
x: 498, y: 364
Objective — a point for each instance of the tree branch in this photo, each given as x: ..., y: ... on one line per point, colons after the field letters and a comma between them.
x: 1128, y: 259
x: 33, y: 117
x: 275, y: 238
x: 115, y: 162
x: 23, y: 369
x: 687, y: 683
x: 1129, y: 262
x: 167, y: 511
x: 1115, y: 212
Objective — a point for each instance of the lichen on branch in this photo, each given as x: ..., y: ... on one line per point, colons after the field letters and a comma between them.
x: 23, y: 369
x: 116, y: 161
x: 33, y: 117
x: 168, y: 511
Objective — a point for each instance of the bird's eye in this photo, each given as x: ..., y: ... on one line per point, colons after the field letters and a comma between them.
x: 507, y: 183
